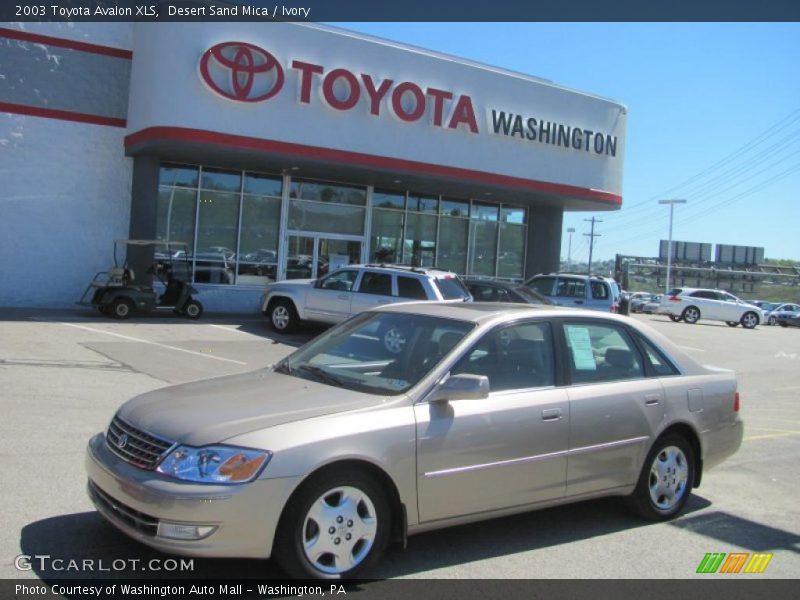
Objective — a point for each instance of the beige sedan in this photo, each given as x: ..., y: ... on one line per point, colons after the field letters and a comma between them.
x: 344, y: 447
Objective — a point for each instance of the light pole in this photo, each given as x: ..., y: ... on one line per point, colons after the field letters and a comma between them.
x: 570, y: 231
x: 672, y: 204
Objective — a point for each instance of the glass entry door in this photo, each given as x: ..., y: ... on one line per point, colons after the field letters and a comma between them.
x: 313, y: 256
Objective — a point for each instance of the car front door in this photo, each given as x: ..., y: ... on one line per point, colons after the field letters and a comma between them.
x: 330, y: 298
x: 614, y: 409
x: 505, y: 450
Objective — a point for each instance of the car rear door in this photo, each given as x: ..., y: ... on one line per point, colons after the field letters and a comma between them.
x: 614, y: 408
x: 374, y: 289
x: 571, y: 291
x: 509, y: 449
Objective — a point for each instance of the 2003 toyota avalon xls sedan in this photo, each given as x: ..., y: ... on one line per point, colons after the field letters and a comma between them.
x: 324, y: 458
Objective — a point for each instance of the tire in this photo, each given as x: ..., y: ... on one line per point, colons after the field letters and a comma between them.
x: 122, y: 308
x: 675, y: 318
x: 666, y: 480
x: 394, y: 338
x: 283, y: 316
x: 691, y: 315
x: 782, y: 324
x: 330, y: 507
x: 731, y: 323
x: 772, y: 321
x: 749, y: 320
x: 193, y: 310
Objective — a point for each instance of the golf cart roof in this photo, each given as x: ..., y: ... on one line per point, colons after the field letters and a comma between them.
x: 151, y: 243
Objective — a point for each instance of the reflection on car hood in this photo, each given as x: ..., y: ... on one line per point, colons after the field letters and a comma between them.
x: 210, y: 411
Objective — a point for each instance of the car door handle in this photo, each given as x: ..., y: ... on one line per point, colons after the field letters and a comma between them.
x: 551, y: 414
x: 652, y: 399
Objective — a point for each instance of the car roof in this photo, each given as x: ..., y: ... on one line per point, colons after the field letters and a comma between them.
x: 510, y: 285
x: 406, y: 269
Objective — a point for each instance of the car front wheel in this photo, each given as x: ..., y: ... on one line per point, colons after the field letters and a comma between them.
x: 337, y: 527
x: 749, y: 320
x: 283, y: 316
x: 666, y: 479
x: 691, y: 315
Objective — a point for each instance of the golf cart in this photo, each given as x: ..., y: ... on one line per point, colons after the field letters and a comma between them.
x: 116, y: 294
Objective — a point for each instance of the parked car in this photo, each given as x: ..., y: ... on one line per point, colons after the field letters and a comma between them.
x: 354, y: 289
x: 583, y: 291
x: 341, y: 448
x: 638, y: 300
x: 692, y: 304
x: 652, y: 306
x: 772, y: 314
x: 789, y: 319
x: 488, y: 290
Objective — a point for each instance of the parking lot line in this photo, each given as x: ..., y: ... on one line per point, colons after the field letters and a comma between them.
x: 770, y: 435
x: 167, y: 346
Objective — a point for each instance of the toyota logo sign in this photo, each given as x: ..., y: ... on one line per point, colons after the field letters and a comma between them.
x: 241, y: 71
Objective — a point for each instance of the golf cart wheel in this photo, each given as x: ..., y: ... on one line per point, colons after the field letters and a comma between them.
x: 122, y: 308
x: 193, y: 309
x: 675, y: 318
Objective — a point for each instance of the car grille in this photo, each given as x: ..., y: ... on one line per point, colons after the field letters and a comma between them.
x: 139, y: 521
x: 134, y: 445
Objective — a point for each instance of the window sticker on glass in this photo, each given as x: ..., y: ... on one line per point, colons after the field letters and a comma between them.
x: 580, y: 345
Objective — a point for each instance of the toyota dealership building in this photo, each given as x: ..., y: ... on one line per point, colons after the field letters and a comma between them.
x: 282, y: 150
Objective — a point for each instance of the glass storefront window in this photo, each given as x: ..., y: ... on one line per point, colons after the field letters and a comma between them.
x: 175, y: 216
x: 385, y: 199
x: 512, y: 248
x: 328, y: 192
x: 178, y: 175
x: 510, y: 214
x: 419, y: 244
x: 454, y: 208
x: 452, y: 251
x: 420, y: 203
x: 483, y: 247
x: 326, y: 217
x: 386, y: 243
x: 217, y: 224
x: 224, y: 181
x: 258, y: 242
x: 263, y: 185
x: 485, y: 212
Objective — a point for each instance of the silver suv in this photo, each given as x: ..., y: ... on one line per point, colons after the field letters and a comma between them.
x: 581, y: 291
x: 354, y: 289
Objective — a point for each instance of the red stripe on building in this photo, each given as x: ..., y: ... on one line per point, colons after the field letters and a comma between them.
x: 25, y: 36
x: 63, y: 115
x: 199, y: 136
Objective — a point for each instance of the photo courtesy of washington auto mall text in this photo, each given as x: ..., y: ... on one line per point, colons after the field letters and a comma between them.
x: 174, y: 590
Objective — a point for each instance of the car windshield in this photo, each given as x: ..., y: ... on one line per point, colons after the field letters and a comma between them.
x: 451, y: 288
x: 532, y: 296
x: 766, y: 306
x: 376, y: 352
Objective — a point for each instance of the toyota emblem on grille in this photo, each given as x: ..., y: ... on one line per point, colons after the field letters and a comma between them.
x: 241, y: 71
x: 122, y: 441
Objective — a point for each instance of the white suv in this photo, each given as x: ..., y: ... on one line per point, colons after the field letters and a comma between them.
x: 692, y: 304
x: 354, y: 289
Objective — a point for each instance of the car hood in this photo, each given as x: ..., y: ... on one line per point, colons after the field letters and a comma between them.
x: 211, y: 411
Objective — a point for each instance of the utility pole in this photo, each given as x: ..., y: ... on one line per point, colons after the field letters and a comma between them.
x: 570, y: 231
x: 672, y: 204
x: 591, y: 237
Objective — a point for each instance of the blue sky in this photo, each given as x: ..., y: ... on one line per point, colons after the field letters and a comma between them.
x: 714, y: 117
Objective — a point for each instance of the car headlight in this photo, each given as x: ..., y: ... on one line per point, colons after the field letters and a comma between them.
x: 214, y: 464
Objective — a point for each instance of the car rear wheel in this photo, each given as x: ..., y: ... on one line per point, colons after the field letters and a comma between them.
x: 337, y: 527
x: 283, y: 316
x: 122, y: 308
x: 665, y: 482
x: 731, y: 323
x: 675, y: 318
x: 749, y: 320
x: 691, y: 315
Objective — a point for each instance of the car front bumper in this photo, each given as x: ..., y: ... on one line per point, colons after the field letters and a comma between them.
x: 141, y: 503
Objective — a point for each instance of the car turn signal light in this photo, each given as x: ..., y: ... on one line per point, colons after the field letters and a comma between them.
x: 736, y: 402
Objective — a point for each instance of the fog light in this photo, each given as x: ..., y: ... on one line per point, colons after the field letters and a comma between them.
x: 182, y: 531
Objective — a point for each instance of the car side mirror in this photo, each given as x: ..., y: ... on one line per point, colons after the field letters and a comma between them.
x: 461, y: 387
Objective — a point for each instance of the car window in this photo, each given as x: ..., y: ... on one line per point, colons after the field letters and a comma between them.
x: 708, y: 295
x: 451, y: 288
x: 571, y: 288
x: 340, y: 280
x: 600, y: 352
x: 543, y: 285
x: 599, y: 290
x: 376, y: 283
x: 483, y: 293
x: 514, y: 357
x: 410, y: 287
x: 659, y: 363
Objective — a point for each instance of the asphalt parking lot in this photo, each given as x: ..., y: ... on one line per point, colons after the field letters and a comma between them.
x: 63, y: 375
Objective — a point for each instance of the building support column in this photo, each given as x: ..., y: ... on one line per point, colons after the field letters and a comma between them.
x: 543, y: 248
x: 144, y: 213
